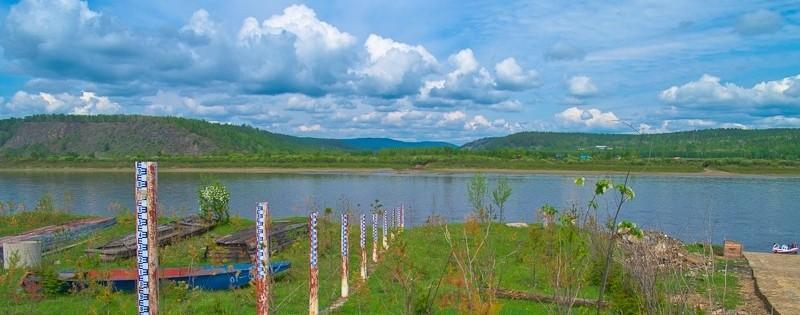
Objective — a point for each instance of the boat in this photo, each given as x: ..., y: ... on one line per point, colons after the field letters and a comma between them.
x: 204, y: 277
x: 781, y: 250
x: 57, y: 237
x: 241, y: 245
x: 167, y: 234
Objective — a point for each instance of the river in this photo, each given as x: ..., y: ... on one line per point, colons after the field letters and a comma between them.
x: 757, y: 210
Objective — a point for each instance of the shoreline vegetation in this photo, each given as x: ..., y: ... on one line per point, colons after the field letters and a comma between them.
x: 563, y: 260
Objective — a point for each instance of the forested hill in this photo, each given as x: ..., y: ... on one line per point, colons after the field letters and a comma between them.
x: 709, y: 143
x: 132, y: 135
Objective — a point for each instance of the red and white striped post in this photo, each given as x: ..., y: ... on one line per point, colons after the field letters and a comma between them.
x: 385, y: 232
x: 374, y: 237
x: 147, y: 237
x: 345, y: 253
x: 363, y: 244
x: 262, y: 258
x: 313, y: 272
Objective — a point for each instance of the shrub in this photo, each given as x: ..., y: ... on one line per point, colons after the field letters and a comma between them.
x: 214, y: 200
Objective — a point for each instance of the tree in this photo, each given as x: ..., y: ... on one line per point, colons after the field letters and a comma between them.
x: 476, y: 191
x: 500, y: 195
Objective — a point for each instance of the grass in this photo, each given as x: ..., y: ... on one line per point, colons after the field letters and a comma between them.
x: 415, y: 274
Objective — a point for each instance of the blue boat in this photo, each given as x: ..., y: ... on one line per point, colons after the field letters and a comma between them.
x: 204, y: 278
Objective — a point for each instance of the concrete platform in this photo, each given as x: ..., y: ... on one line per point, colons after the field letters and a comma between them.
x: 777, y: 278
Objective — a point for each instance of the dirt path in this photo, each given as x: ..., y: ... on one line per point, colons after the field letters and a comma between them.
x: 777, y: 278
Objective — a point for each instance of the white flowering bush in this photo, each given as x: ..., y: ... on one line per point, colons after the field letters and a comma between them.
x: 214, y: 200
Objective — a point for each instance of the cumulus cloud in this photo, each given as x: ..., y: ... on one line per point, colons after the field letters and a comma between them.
x: 581, y: 86
x: 309, y: 128
x: 591, y: 118
x: 395, y: 68
x: 564, y: 51
x: 778, y: 97
x: 467, y: 80
x: 759, y: 22
x: 87, y: 103
x: 507, y: 106
x: 510, y: 76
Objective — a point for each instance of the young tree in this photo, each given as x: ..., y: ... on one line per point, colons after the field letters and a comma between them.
x: 500, y: 195
x: 477, y: 190
x: 214, y: 200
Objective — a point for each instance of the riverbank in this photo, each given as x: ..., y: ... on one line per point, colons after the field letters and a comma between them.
x: 707, y: 172
x: 423, y: 271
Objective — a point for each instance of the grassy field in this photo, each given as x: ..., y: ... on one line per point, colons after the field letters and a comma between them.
x: 422, y: 272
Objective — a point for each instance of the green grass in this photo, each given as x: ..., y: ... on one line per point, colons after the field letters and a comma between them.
x: 416, y: 265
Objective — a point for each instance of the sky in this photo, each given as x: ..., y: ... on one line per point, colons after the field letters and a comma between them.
x: 411, y: 70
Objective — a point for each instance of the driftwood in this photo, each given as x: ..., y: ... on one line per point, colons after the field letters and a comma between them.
x: 520, y: 295
x: 167, y: 234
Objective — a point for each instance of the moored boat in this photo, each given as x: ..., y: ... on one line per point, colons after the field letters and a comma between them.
x: 167, y: 233
x: 55, y: 237
x: 204, y: 277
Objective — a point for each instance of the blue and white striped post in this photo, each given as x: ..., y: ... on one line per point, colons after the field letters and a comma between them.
x: 374, y: 237
x: 262, y: 258
x: 363, y: 243
x: 313, y: 272
x: 146, y: 237
x: 345, y: 253
x: 385, y: 232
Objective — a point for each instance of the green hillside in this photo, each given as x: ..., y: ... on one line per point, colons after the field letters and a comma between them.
x: 709, y: 143
x: 111, y: 136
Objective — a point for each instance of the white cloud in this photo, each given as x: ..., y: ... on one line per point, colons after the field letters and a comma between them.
x: 87, y: 103
x: 759, y: 22
x: 395, y: 68
x: 309, y: 128
x: 510, y: 76
x: 507, y: 106
x: 592, y: 118
x: 467, y: 80
x: 581, y: 86
x: 477, y: 122
x: 708, y: 89
x: 778, y: 121
x: 312, y: 34
x: 200, y: 25
x: 171, y: 103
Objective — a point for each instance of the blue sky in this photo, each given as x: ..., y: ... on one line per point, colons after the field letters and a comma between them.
x: 413, y: 70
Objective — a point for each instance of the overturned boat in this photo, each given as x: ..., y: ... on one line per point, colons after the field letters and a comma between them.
x: 167, y: 234
x: 57, y: 237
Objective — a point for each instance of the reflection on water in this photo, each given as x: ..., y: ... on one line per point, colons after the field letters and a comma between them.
x: 756, y: 210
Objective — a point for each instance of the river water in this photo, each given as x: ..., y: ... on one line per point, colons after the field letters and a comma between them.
x: 757, y: 210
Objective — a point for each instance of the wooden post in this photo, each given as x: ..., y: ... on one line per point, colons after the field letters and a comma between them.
x: 345, y: 252
x: 374, y: 237
x: 262, y: 259
x: 147, y: 237
x: 385, y: 232
x: 363, y: 243
x: 402, y: 217
x: 313, y: 283
x: 393, y: 223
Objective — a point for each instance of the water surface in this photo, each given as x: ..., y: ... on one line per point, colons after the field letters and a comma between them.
x: 757, y: 210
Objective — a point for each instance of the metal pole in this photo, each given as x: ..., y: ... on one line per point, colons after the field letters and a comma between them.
x: 313, y: 283
x: 393, y: 223
x: 402, y: 217
x: 147, y: 237
x: 363, y: 243
x: 374, y: 237
x: 345, y: 247
x: 262, y: 258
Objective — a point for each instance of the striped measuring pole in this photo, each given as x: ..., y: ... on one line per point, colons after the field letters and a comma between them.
x: 313, y: 272
x: 374, y: 237
x: 363, y: 243
x: 146, y: 237
x: 262, y: 258
x: 397, y: 216
x: 402, y: 217
x: 345, y: 253
x: 385, y: 232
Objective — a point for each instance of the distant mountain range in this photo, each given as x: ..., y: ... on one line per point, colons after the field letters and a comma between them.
x: 121, y: 135
x: 135, y: 135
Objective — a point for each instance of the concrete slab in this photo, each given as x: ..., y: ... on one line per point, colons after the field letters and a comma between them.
x: 778, y: 280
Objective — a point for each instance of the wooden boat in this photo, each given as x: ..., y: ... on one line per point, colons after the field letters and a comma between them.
x: 167, y: 234
x: 241, y: 245
x: 56, y: 237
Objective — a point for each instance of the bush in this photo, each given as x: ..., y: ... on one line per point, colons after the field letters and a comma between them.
x: 214, y: 200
